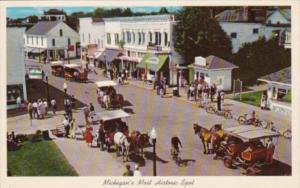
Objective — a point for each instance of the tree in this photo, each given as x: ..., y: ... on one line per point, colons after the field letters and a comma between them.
x: 33, y: 19
x: 260, y: 58
x: 127, y: 12
x: 197, y: 34
x: 163, y: 10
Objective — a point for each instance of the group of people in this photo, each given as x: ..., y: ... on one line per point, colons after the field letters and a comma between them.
x: 37, y: 109
x: 69, y: 104
x: 161, y: 86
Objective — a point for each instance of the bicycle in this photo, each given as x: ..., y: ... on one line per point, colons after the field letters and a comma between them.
x: 244, y: 120
x: 177, y: 158
x: 211, y: 109
x: 270, y: 125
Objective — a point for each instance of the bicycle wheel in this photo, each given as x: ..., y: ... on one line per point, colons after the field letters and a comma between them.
x: 227, y: 115
x: 241, y: 120
x: 287, y: 134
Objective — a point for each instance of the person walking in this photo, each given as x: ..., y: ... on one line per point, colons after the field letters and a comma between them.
x: 30, y: 109
x: 88, y: 135
x: 92, y: 112
x: 19, y: 103
x: 34, y: 108
x: 101, y: 137
x: 128, y: 171
x: 86, y: 112
x: 45, y: 103
x: 219, y: 101
x: 137, y: 171
x: 53, y: 106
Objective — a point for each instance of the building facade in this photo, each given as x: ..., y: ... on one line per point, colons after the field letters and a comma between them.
x: 137, y: 39
x: 92, y: 36
x: 52, y: 41
x: 16, y: 85
x: 243, y: 27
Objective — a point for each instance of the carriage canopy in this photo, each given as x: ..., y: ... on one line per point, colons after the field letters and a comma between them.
x: 250, y: 133
x: 110, y: 115
x: 57, y: 63
x: 107, y: 83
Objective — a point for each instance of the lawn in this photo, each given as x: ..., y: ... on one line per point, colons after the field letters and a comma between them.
x: 39, y: 159
x: 288, y: 97
x: 252, y: 98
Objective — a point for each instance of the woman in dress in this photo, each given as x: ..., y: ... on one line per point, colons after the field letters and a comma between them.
x: 88, y: 135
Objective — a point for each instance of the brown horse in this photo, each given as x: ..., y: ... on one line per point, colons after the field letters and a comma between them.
x: 139, y: 142
x: 207, y: 137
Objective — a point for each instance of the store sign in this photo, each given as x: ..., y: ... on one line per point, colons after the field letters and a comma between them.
x: 35, y: 73
x: 153, y: 60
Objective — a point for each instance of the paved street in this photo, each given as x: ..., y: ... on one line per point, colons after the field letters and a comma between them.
x: 170, y: 116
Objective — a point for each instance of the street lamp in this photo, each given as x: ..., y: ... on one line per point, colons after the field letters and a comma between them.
x: 153, y: 138
x: 48, y: 97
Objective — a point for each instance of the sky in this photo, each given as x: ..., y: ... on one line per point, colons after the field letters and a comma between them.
x: 21, y: 12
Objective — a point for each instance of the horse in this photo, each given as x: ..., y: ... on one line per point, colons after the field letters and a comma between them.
x: 121, y: 142
x: 139, y: 142
x: 208, y: 137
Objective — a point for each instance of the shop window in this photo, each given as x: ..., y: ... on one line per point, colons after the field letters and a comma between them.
x: 13, y: 92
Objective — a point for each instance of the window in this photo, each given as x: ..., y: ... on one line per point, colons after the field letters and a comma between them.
x: 27, y: 39
x: 89, y: 36
x: 82, y: 37
x: 140, y: 38
x: 233, y: 35
x: 278, y: 22
x: 37, y: 40
x: 32, y: 40
x: 128, y: 37
x: 98, y: 42
x: 116, y: 38
x: 108, y: 38
x: 42, y: 40
x: 53, y: 42
x: 157, y: 38
x: 61, y: 32
x: 166, y: 39
x: 143, y: 38
x: 133, y: 37
x: 69, y: 41
x: 150, y: 36
x: 13, y: 92
x: 255, y: 31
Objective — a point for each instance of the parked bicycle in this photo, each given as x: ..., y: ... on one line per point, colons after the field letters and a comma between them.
x: 252, y: 120
x: 270, y: 125
x: 211, y: 109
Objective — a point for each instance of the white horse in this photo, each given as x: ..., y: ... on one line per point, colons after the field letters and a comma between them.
x: 121, y: 142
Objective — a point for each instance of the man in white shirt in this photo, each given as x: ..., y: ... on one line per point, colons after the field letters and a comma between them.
x: 53, y: 105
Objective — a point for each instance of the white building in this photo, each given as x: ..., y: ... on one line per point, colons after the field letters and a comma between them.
x: 52, y: 40
x: 214, y: 70
x: 16, y: 85
x: 92, y: 37
x: 242, y: 29
x: 136, y: 40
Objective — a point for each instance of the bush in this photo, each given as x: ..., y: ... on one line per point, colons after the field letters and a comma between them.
x: 37, y: 137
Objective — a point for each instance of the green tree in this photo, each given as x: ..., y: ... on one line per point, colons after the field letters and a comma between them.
x: 163, y: 10
x: 127, y: 12
x: 33, y: 19
x: 197, y: 34
x: 260, y: 58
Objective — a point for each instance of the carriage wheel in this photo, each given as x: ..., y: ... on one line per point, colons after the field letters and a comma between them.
x: 287, y: 134
x: 241, y: 120
x: 227, y: 115
x: 228, y: 162
x: 210, y: 110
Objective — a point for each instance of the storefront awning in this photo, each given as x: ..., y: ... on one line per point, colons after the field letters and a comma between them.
x: 111, y: 54
x: 37, y: 51
x: 131, y: 59
x: 153, y: 62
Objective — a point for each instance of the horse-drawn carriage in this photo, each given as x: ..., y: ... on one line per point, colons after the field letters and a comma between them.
x: 108, y: 98
x: 246, y: 146
x: 57, y: 68
x: 75, y: 72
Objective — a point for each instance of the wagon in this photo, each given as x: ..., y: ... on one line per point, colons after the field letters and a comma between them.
x: 245, y: 146
x: 57, y: 68
x: 75, y: 72
x: 110, y: 98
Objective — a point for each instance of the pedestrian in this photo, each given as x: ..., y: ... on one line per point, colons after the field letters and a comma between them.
x: 66, y: 125
x: 270, y: 151
x: 212, y: 92
x: 41, y: 109
x: 128, y: 171
x: 86, y: 112
x: 19, y: 102
x: 30, y: 109
x: 101, y: 134
x: 88, y: 135
x: 43, y: 74
x: 53, y: 106
x: 92, y: 111
x: 45, y: 103
x: 222, y: 95
x: 219, y: 101
x: 137, y: 171
x: 34, y: 108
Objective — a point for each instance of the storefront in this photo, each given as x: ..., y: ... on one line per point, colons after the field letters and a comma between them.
x: 13, y: 92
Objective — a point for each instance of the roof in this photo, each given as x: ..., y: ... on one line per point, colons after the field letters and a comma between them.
x: 113, y: 114
x: 163, y: 17
x: 236, y: 15
x: 105, y: 83
x: 282, y: 76
x: 95, y: 20
x: 72, y: 66
x: 214, y: 62
x: 42, y: 28
x: 250, y: 133
x: 286, y: 13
